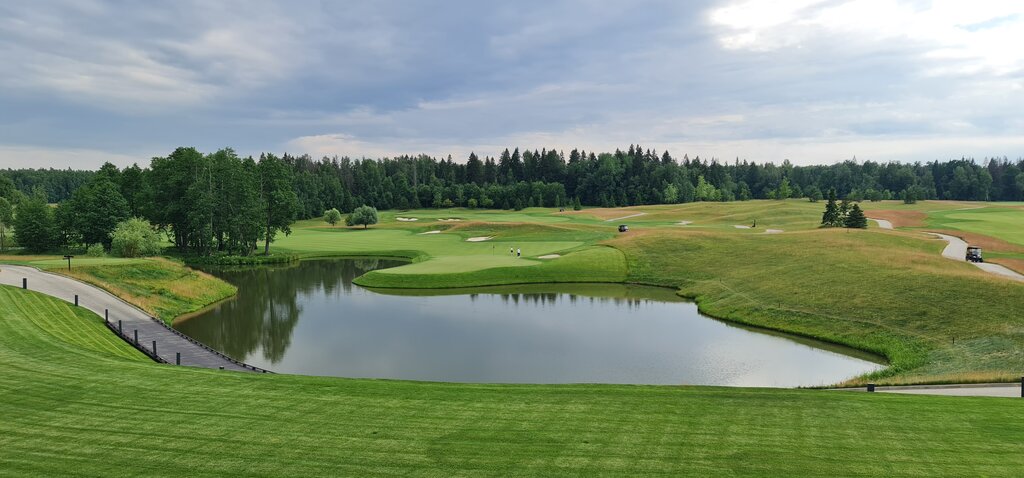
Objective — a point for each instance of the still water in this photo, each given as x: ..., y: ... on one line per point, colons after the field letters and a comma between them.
x: 310, y: 319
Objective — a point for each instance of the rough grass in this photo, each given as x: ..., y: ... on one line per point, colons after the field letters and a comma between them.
x: 164, y: 288
x: 75, y: 401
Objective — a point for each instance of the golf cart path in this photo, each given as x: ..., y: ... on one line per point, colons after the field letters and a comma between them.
x: 625, y: 217
x: 882, y: 223
x: 1009, y: 390
x: 168, y: 341
x: 957, y: 250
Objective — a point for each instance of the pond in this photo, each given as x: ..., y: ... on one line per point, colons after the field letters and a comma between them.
x: 310, y: 319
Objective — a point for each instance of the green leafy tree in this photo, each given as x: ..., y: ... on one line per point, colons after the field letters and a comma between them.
x: 135, y: 237
x: 332, y: 216
x: 6, y: 218
x: 33, y: 223
x: 785, y: 190
x: 362, y: 216
x: 813, y: 193
x: 97, y: 208
x: 855, y: 219
x: 277, y: 196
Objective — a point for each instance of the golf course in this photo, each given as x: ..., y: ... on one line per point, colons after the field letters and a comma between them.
x: 78, y: 400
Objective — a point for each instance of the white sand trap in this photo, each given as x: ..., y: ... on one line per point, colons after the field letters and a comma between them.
x: 406, y: 219
x: 741, y: 227
x: 480, y: 239
x: 773, y: 231
x: 450, y: 219
x: 684, y: 223
x: 430, y: 232
x: 626, y: 217
x: 882, y: 223
x: 549, y: 256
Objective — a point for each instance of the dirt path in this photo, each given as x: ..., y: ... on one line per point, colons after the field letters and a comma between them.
x: 956, y: 250
x: 882, y: 223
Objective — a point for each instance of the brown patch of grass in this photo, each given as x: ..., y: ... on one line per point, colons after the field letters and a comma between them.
x: 605, y: 213
x: 899, y: 218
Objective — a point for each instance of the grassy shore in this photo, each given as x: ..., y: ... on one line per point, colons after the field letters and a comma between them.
x: 77, y: 401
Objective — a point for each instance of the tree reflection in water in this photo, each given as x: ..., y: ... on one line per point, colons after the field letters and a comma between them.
x: 266, y: 310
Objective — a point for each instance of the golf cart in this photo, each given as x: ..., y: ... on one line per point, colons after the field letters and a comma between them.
x: 974, y: 254
x: 623, y: 228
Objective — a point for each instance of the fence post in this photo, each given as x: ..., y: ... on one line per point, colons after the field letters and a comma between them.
x: 154, y: 347
x: 24, y: 282
x: 106, y: 315
x: 136, y: 336
x: 871, y: 387
x: 120, y: 330
x: 177, y: 358
x: 76, y: 300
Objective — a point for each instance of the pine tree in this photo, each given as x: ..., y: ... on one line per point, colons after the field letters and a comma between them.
x: 855, y: 218
x: 831, y: 215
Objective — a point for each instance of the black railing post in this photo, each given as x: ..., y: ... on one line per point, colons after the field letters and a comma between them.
x: 136, y: 336
x: 871, y: 387
x: 177, y: 358
x: 76, y: 300
x: 24, y: 282
x: 120, y: 330
x: 154, y: 348
x: 106, y: 315
x: 1022, y: 387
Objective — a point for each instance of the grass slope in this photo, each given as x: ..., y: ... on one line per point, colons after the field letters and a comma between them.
x: 77, y: 402
x: 164, y: 288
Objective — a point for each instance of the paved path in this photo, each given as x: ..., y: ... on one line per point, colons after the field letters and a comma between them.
x: 882, y: 223
x: 168, y: 341
x: 1009, y: 390
x: 957, y: 251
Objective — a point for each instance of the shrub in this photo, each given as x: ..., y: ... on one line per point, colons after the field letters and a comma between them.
x: 332, y: 216
x: 134, y: 238
x: 96, y: 250
x: 362, y: 216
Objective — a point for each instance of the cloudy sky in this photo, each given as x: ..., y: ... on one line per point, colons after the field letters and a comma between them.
x: 813, y: 81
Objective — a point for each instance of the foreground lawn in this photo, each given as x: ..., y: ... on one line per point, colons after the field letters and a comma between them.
x: 76, y: 401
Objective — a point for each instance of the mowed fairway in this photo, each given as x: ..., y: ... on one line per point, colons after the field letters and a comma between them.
x: 77, y: 401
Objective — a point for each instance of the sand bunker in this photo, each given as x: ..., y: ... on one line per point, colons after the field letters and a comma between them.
x: 684, y: 223
x: 450, y: 219
x: 406, y: 219
x: 773, y: 231
x: 549, y: 256
x: 741, y: 227
x: 430, y: 232
x: 480, y: 239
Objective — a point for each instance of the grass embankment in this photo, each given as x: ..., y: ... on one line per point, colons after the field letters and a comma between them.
x: 888, y: 292
x: 162, y: 287
x: 77, y: 401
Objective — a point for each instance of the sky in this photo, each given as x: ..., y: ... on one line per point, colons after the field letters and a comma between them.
x: 812, y: 81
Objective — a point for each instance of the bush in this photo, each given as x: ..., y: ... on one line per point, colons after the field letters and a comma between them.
x: 332, y: 216
x: 134, y: 238
x: 96, y: 250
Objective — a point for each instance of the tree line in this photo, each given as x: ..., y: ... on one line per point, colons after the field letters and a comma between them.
x: 220, y: 202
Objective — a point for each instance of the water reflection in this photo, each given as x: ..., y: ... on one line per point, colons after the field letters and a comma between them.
x: 536, y: 334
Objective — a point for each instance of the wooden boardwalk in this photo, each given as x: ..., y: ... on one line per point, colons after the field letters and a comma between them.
x: 126, y: 318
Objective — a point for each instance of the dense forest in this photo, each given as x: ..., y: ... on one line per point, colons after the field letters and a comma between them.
x: 221, y: 202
